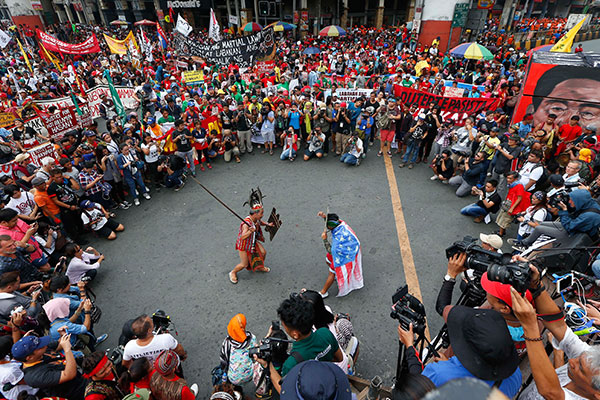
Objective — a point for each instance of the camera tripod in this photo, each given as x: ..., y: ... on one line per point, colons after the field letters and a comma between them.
x: 472, y: 296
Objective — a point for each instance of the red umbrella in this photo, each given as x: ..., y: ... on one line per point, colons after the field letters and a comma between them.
x: 145, y: 22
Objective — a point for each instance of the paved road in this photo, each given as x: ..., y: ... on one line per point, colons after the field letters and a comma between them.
x: 590, y: 45
x: 178, y: 247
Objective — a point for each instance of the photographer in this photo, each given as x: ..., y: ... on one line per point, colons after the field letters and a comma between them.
x: 353, y: 150
x: 323, y: 120
x: 183, y: 139
x: 342, y: 129
x: 580, y: 215
x: 171, y: 167
x: 11, y: 298
x: 261, y: 377
x: 506, y: 153
x: 578, y: 378
x: 489, y: 202
x: 315, y: 144
x: 297, y: 317
x: 474, y: 175
x: 442, y: 166
x: 415, y: 135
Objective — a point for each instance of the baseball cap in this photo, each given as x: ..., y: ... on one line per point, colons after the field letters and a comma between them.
x: 556, y: 180
x: 422, y: 116
x: 37, y: 181
x: 493, y: 240
x: 27, y: 345
x: 313, y: 380
x: 151, y: 120
x: 140, y: 394
x: 501, y: 290
x: 591, y: 128
x: 86, y: 204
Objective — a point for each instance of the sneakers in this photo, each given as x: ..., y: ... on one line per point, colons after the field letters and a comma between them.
x: 411, y: 166
x: 136, y: 202
x: 146, y: 196
x: 513, y: 242
x: 380, y: 153
x: 128, y: 204
x: 434, y: 178
x: 194, y: 389
x: 178, y: 188
x: 123, y: 206
x: 402, y: 165
x: 101, y: 338
x: 324, y: 295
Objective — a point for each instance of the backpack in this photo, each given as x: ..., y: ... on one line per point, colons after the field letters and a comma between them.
x: 240, y: 364
x: 542, y: 183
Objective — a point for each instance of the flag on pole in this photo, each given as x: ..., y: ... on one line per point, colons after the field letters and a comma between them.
x: 162, y: 38
x: 50, y: 57
x: 76, y: 104
x: 24, y: 55
x: 115, y: 96
x: 214, y: 32
x: 183, y: 26
x: 565, y: 42
x: 4, y: 39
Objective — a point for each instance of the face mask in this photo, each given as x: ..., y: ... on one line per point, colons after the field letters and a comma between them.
x: 516, y: 333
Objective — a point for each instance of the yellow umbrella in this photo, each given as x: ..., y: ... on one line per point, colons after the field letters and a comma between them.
x: 420, y: 66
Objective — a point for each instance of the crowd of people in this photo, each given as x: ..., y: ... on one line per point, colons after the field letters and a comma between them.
x: 536, y: 182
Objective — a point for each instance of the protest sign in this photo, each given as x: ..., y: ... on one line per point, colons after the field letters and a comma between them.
x: 265, y: 67
x: 60, y: 122
x: 452, y: 108
x: 6, y: 119
x: 349, y: 95
x: 193, y: 76
x: 37, y: 153
x: 450, y: 91
x: 243, y: 51
x: 51, y: 43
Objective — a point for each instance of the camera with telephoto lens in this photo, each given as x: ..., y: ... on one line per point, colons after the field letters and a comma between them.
x: 407, y: 309
x: 162, y: 322
x: 562, y: 196
x: 595, y: 189
x: 518, y: 275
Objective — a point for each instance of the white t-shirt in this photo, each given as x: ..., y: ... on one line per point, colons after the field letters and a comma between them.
x: 530, y: 171
x: 354, y: 149
x: 12, y: 374
x: 573, y: 348
x: 538, y: 216
x: 153, y: 155
x: 152, y: 350
x: 92, y: 214
x: 23, y: 205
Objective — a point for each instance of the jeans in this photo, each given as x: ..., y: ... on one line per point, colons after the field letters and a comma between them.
x: 174, y: 179
x: 463, y: 187
x: 131, y: 180
x: 349, y: 159
x: 596, y: 267
x: 412, y: 150
x: 554, y: 229
x: 189, y: 157
x: 474, y: 210
x: 288, y: 153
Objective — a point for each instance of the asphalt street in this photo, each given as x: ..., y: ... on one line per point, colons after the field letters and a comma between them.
x: 590, y: 45
x: 177, y: 249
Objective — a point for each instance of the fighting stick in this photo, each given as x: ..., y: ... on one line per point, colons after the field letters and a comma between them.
x: 219, y: 200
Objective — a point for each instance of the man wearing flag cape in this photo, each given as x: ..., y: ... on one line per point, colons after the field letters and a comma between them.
x: 252, y: 253
x: 344, y: 256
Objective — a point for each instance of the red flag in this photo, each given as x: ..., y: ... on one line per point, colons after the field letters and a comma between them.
x: 171, y: 15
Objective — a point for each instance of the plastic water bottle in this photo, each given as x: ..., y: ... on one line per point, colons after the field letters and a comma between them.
x: 224, y: 377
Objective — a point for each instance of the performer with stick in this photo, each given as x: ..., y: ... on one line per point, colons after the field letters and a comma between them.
x: 344, y: 257
x: 252, y: 253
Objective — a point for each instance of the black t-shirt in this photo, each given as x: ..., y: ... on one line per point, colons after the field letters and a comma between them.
x: 184, y: 144
x: 227, y: 117
x: 503, y: 163
x: 176, y: 162
x: 63, y: 192
x: 449, y: 168
x: 26, y: 132
x: 46, y: 376
x: 495, y: 198
x: 485, y: 126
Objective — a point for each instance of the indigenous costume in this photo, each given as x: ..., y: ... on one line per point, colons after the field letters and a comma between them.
x: 344, y: 256
x: 249, y: 245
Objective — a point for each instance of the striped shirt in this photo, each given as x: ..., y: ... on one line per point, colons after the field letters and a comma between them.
x: 246, y: 244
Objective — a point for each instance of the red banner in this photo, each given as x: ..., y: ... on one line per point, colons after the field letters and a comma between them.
x: 60, y: 123
x: 265, y: 67
x: 456, y: 109
x: 51, y: 43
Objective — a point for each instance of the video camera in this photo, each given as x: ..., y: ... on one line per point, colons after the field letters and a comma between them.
x: 562, y: 196
x: 407, y: 309
x: 518, y: 275
x: 162, y: 323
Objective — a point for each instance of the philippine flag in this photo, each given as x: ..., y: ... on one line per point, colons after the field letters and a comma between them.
x: 162, y: 38
x: 347, y: 259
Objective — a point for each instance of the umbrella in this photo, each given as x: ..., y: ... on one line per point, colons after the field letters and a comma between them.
x: 251, y: 27
x: 119, y: 22
x: 543, y: 48
x: 311, y: 50
x: 472, y: 51
x: 145, y: 22
x: 332, y: 30
x: 281, y: 26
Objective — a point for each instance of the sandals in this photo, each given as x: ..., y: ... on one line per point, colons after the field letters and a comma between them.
x: 232, y: 279
x: 264, y: 269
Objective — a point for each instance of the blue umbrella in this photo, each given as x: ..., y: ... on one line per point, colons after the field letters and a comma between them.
x: 311, y: 50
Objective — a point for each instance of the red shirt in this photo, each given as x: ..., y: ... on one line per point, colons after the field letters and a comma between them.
x: 512, y: 195
x: 569, y: 133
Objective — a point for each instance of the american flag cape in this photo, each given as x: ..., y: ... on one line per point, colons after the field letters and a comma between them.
x: 347, y: 259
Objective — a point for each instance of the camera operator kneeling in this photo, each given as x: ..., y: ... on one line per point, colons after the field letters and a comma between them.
x: 580, y: 215
x: 579, y: 378
x: 172, y: 168
x: 297, y: 317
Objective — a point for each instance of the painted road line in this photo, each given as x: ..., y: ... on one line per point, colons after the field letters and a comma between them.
x: 410, y: 273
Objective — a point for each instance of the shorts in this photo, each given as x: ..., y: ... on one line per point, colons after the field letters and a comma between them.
x: 108, y: 228
x: 387, y: 135
x: 504, y: 219
x: 268, y: 136
x: 329, y: 261
x: 311, y: 154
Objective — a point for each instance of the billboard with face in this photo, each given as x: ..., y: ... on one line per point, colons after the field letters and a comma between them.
x: 564, y: 85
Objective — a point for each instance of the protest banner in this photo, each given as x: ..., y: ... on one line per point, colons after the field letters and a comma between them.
x: 6, y: 119
x: 191, y: 77
x: 243, y: 52
x: 265, y: 67
x: 452, y: 108
x: 51, y: 43
x: 120, y: 46
x: 349, y: 95
x: 37, y: 153
x: 450, y: 91
x: 60, y: 123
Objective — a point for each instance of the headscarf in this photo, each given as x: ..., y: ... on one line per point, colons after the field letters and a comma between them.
x: 166, y: 362
x: 585, y: 155
x: 57, y: 308
x: 236, y: 329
